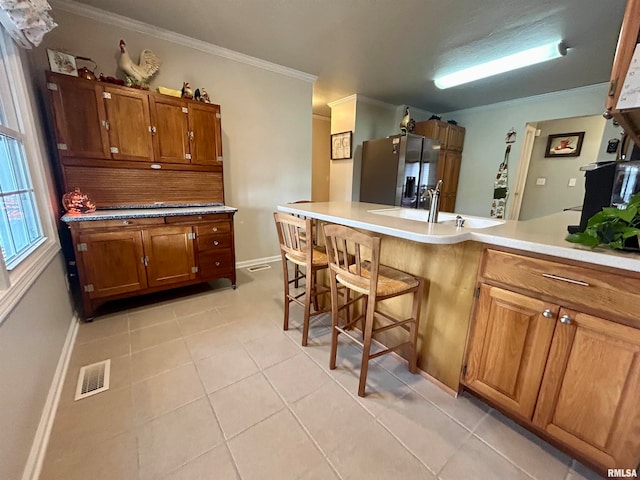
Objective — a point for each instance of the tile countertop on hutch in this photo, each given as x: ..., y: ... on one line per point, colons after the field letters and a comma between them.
x: 544, y: 330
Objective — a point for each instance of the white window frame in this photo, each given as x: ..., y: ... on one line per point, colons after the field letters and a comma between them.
x: 15, y: 283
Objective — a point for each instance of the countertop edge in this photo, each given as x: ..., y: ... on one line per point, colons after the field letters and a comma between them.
x: 118, y: 214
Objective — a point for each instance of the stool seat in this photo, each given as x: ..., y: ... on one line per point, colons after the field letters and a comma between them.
x: 390, y: 280
x: 319, y: 257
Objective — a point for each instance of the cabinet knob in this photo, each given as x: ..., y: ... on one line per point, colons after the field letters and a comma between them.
x: 566, y: 319
x: 125, y: 222
x: 199, y: 217
x: 217, y: 264
x: 547, y: 313
x: 215, y: 229
x: 216, y: 243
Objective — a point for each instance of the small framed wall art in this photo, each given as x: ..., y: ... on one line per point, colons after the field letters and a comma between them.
x: 62, y: 62
x: 341, y: 145
x: 564, y: 145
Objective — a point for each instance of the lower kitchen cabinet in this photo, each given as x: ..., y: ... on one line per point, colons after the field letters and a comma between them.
x: 542, y: 349
x: 128, y: 257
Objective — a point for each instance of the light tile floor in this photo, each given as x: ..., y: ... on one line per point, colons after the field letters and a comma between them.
x: 209, y: 386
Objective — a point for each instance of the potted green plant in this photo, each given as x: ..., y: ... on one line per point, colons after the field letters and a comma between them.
x: 612, y: 227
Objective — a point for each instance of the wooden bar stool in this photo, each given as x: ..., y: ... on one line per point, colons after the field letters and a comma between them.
x: 354, y: 262
x: 296, y: 245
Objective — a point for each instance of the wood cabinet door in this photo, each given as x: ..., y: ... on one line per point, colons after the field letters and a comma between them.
x: 79, y: 117
x: 455, y: 137
x: 508, y: 348
x: 169, y: 117
x: 205, y: 128
x: 113, y: 262
x: 449, y: 170
x: 129, y: 124
x: 590, y: 390
x: 170, y: 255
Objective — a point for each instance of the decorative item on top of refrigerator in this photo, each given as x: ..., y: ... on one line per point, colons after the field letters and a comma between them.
x: 398, y: 170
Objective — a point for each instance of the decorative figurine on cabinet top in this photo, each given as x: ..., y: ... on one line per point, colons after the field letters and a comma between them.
x: 76, y: 202
x: 186, y: 90
x: 138, y: 75
x: 205, y: 96
x: 407, y: 124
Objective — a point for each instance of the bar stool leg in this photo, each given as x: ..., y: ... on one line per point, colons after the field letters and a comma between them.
x: 287, y: 301
x: 413, y: 332
x: 308, y: 287
x: 334, y: 319
x: 366, y: 349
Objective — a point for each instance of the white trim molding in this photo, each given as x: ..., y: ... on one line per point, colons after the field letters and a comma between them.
x: 111, y: 18
x: 40, y: 443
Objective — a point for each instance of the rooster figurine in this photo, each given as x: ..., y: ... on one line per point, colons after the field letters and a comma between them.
x: 140, y: 73
x: 407, y: 124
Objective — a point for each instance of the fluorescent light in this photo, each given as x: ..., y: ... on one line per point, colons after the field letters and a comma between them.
x: 504, y: 64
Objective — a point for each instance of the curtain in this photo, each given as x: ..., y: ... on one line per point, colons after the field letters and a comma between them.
x: 27, y: 21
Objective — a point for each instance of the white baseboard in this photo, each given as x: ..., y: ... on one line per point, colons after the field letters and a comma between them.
x: 258, y: 261
x: 41, y: 440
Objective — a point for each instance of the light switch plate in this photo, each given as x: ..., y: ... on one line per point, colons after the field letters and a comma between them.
x: 572, y: 182
x: 541, y: 181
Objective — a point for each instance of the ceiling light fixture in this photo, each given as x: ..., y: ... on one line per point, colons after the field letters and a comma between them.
x: 504, y: 64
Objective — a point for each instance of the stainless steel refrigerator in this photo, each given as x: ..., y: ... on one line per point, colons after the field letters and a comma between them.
x: 398, y: 170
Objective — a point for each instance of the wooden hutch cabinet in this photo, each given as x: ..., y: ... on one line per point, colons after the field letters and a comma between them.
x: 132, y: 148
x: 557, y: 347
x: 451, y: 138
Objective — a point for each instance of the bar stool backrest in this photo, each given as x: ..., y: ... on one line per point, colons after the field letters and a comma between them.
x: 292, y: 235
x: 354, y: 257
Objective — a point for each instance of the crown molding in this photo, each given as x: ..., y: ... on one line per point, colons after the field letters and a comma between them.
x: 350, y: 98
x: 110, y: 18
x: 528, y: 100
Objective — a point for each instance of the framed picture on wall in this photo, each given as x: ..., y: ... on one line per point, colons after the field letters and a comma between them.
x: 61, y: 62
x: 564, y: 145
x: 341, y: 145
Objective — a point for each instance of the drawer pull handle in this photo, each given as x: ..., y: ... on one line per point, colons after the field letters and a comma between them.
x: 563, y: 279
x: 125, y: 222
x: 215, y: 229
x: 217, y: 264
x: 216, y: 243
x: 547, y: 313
x: 565, y: 319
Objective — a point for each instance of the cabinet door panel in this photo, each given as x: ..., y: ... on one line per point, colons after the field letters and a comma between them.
x: 171, y: 137
x: 170, y: 255
x: 508, y: 348
x: 589, y: 393
x: 113, y: 262
x: 79, y: 114
x: 206, y: 142
x: 129, y: 125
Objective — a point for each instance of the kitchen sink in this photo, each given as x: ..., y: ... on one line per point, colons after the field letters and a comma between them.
x: 444, y: 218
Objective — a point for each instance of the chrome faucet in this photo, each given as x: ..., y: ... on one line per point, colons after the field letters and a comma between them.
x: 434, y: 204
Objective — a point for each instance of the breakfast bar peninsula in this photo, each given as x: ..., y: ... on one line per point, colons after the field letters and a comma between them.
x: 546, y: 331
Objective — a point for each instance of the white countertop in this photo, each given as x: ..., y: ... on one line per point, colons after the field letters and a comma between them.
x: 545, y: 235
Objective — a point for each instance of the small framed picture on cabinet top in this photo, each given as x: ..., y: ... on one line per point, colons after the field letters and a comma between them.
x: 60, y: 62
x: 341, y: 145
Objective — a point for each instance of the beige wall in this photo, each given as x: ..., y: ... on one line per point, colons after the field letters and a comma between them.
x: 31, y: 340
x: 555, y: 194
x: 343, y: 119
x: 266, y: 118
x: 321, y: 164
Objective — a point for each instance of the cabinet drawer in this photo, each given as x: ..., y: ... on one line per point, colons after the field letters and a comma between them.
x: 122, y: 222
x: 575, y: 286
x: 213, y: 228
x: 205, y: 217
x: 214, y: 242
x: 216, y: 263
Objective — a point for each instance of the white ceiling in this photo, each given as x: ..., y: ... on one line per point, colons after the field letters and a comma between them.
x: 391, y: 50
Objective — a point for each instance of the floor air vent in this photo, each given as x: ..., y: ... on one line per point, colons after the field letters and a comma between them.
x: 93, y: 379
x: 257, y: 268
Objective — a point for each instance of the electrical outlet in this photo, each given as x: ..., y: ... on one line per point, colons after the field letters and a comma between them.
x: 541, y: 181
x: 572, y: 182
